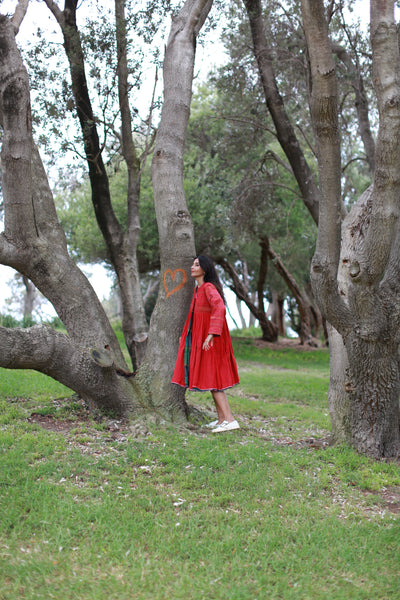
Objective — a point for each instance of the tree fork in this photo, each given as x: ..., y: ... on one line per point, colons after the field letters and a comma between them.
x: 121, y: 246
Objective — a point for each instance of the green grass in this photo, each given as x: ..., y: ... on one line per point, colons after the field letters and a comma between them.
x: 87, y: 513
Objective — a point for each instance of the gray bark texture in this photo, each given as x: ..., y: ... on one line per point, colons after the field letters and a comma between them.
x: 284, y: 129
x: 121, y: 245
x: 89, y: 359
x: 34, y: 244
x: 176, y: 236
x: 356, y: 281
x: 29, y: 298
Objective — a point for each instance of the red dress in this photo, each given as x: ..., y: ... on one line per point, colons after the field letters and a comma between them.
x: 213, y: 369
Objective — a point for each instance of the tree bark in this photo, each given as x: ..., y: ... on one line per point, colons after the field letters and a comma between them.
x: 29, y: 298
x: 364, y: 306
x: 276, y: 313
x: 56, y: 355
x: 34, y: 244
x: 285, y: 133
x: 176, y: 237
x: 136, y: 328
x: 339, y: 386
x: 121, y: 246
x: 304, y: 313
x: 240, y: 312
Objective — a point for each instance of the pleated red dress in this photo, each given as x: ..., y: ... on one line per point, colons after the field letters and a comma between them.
x: 206, y: 370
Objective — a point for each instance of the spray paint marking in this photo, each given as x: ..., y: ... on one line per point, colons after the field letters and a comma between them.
x: 178, y: 286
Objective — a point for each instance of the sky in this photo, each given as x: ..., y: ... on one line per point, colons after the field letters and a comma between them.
x: 206, y: 58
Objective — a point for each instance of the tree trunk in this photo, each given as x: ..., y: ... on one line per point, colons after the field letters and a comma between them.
x: 121, y: 246
x: 304, y: 313
x: 339, y: 386
x: 175, y: 228
x: 29, y: 298
x: 363, y: 305
x: 252, y: 316
x: 245, y: 275
x: 56, y: 355
x: 318, y: 323
x: 136, y: 329
x: 276, y: 313
x: 34, y: 244
x: 240, y: 312
x: 285, y: 133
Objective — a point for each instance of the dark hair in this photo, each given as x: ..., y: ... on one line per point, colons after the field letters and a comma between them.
x: 210, y: 273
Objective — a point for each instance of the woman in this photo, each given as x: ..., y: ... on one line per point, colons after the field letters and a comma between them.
x: 205, y: 359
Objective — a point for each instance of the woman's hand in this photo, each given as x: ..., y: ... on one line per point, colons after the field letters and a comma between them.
x: 208, y: 342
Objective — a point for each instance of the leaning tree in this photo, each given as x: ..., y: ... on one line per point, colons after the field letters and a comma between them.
x: 88, y: 359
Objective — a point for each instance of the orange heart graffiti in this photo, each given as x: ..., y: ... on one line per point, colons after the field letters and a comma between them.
x: 179, y: 285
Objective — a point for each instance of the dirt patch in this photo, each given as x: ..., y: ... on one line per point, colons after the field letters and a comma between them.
x: 283, y: 343
x: 391, y: 497
x: 52, y: 423
x: 117, y: 429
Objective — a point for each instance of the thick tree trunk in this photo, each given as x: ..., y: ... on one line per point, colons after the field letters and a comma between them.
x: 55, y: 354
x: 276, y: 313
x: 318, y: 323
x: 34, y: 244
x: 175, y: 228
x: 339, y: 386
x: 374, y: 390
x: 363, y: 305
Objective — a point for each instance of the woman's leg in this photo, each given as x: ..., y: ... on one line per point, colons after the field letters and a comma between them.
x: 222, y: 406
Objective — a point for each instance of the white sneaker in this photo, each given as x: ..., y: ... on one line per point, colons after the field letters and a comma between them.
x: 212, y: 424
x: 226, y: 426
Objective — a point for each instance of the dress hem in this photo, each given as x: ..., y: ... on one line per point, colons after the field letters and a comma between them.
x: 196, y: 389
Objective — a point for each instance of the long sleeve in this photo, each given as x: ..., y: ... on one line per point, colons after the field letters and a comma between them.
x: 218, y: 310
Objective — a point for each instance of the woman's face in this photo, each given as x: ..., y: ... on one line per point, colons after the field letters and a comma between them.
x: 196, y: 270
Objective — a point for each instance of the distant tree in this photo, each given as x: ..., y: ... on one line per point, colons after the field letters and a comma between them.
x: 238, y: 198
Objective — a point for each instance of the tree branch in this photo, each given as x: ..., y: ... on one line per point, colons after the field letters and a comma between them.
x: 361, y: 103
x: 325, y: 120
x: 305, y: 325
x: 54, y: 354
x: 270, y: 331
x: 57, y: 12
x: 284, y: 129
x: 19, y: 14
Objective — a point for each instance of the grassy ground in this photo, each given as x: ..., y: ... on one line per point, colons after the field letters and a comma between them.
x: 96, y: 510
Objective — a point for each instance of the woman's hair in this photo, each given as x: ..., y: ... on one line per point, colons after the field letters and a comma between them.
x: 210, y: 273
